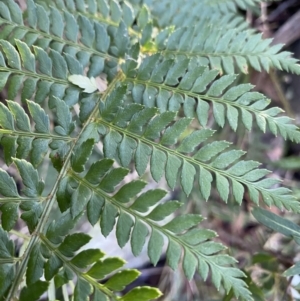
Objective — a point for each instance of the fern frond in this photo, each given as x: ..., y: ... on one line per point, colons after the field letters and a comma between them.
x: 108, y: 12
x: 226, y: 47
x: 113, y: 15
x: 137, y: 214
x: 83, y: 41
x: 7, y: 260
x: 146, y: 134
x: 170, y: 84
x: 18, y: 140
x: 41, y: 74
x: 42, y: 217
x: 134, y: 119
x: 180, y: 14
x: 211, y: 38
x: 172, y: 12
x: 57, y: 256
x: 30, y: 202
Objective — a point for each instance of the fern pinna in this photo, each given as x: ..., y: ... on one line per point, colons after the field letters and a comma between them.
x: 160, y: 80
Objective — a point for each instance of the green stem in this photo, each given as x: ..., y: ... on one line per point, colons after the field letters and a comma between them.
x: 35, y: 135
x: 12, y: 260
x: 19, y: 200
x: 19, y: 234
x: 285, y: 103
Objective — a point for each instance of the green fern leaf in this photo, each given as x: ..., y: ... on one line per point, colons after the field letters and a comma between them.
x: 105, y: 267
x: 177, y: 13
x: 95, y: 58
x: 131, y: 216
x: 33, y: 291
x: 20, y: 141
x: 57, y: 230
x: 142, y: 293
x: 8, y: 186
x: 120, y: 280
x: 7, y: 265
x: 33, y: 186
x: 209, y: 159
x: 81, y: 155
x: 62, y: 255
x: 217, y: 22
x: 82, y: 290
x: 95, y: 40
x: 109, y: 13
x: 223, y: 46
x: 87, y: 257
x: 35, y: 265
x: 155, y: 56
x: 193, y: 94
x: 30, y: 203
x: 277, y: 223
x: 48, y: 79
x: 11, y: 199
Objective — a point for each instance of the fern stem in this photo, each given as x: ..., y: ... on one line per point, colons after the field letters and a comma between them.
x: 19, y: 234
x: 36, y: 75
x: 9, y: 260
x: 285, y: 103
x: 52, y: 198
x: 208, y: 54
x: 65, y: 293
x: 35, y: 135
x: 21, y: 200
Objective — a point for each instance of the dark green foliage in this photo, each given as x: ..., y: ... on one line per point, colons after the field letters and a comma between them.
x: 170, y: 76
